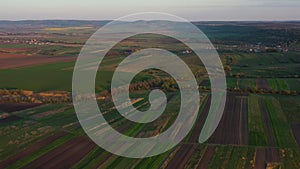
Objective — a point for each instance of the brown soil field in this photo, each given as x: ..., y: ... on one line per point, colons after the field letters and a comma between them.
x: 8, y: 60
x: 12, y: 107
x: 273, y: 155
x: 233, y: 127
x: 268, y: 125
x: 64, y: 156
x: 49, y: 113
x: 17, y: 50
x: 205, y: 160
x: 263, y: 156
x: 11, y: 160
x: 182, y: 156
x: 9, y: 119
x: 262, y: 84
x: 296, y: 132
x: 244, y: 122
x: 121, y: 129
x: 185, y: 152
x: 105, y: 158
x: 260, y: 159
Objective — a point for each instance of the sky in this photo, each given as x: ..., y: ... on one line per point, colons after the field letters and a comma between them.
x: 193, y: 10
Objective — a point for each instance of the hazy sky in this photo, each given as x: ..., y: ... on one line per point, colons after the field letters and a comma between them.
x: 188, y: 9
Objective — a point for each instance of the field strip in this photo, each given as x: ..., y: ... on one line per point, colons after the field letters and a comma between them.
x: 268, y: 124
x: 182, y: 156
x: 64, y: 155
x: 30, y: 150
x: 208, y: 155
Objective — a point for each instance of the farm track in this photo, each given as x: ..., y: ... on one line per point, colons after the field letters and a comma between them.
x: 185, y: 152
x: 233, y: 127
x: 32, y: 149
x: 208, y: 155
x: 65, y: 155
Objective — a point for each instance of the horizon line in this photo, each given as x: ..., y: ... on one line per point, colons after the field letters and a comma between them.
x: 95, y: 20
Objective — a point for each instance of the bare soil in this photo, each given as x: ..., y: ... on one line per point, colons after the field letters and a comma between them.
x: 30, y: 150
x: 64, y: 156
x: 8, y: 60
x: 186, y: 151
x: 205, y: 160
x: 13, y: 107
x: 262, y: 84
x: 296, y: 132
x: 233, y: 127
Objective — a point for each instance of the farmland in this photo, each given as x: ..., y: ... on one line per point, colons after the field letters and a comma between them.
x: 260, y: 126
x: 230, y: 150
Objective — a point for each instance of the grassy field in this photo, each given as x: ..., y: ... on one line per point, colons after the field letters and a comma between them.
x: 293, y: 84
x: 265, y: 64
x: 278, y: 84
x: 38, y: 78
x: 290, y: 106
x: 281, y: 127
x: 290, y: 158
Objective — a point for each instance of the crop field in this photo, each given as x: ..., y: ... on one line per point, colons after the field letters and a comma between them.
x: 236, y: 143
x: 265, y: 64
x: 65, y: 144
x: 259, y: 129
x: 257, y: 135
x: 278, y: 84
x: 233, y: 127
x: 262, y: 84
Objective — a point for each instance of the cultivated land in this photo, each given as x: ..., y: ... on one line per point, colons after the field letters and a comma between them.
x: 261, y: 123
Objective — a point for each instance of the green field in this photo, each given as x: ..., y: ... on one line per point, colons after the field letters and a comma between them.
x: 256, y: 131
x: 278, y: 84
x: 281, y: 127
